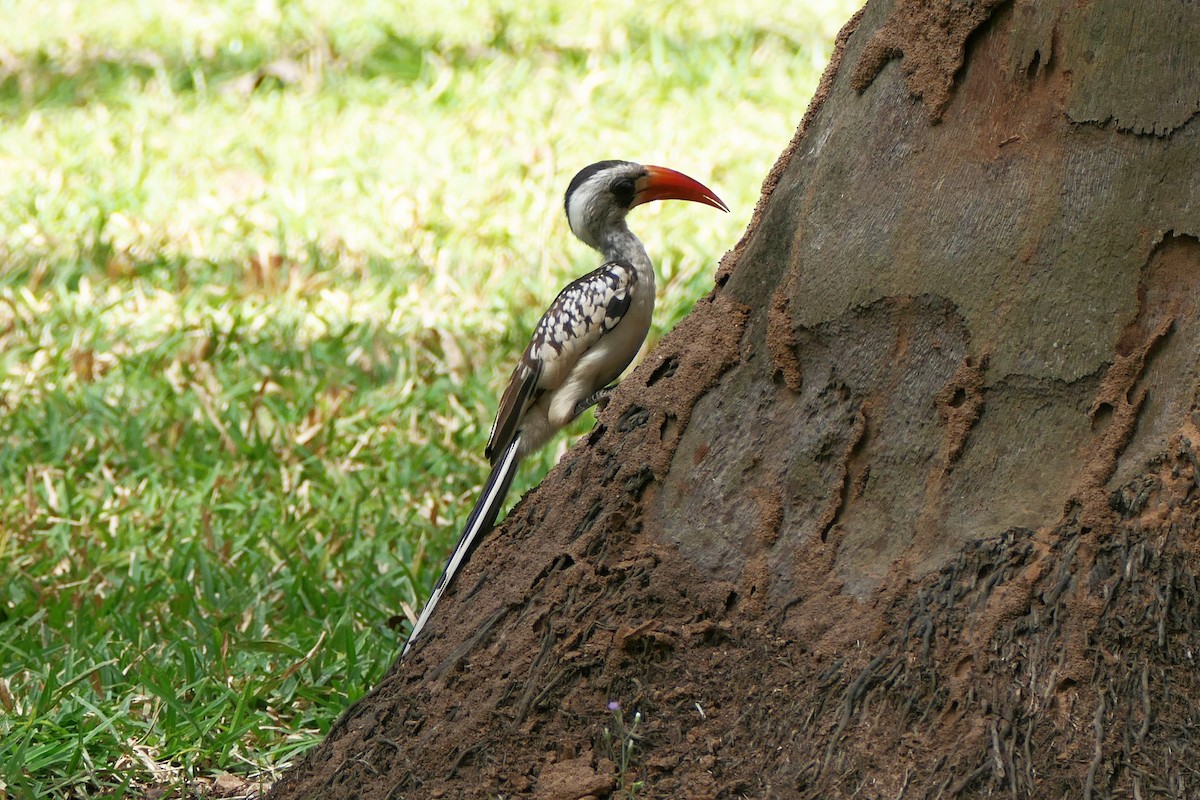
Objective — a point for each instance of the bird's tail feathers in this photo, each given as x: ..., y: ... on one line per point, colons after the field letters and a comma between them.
x: 479, y: 523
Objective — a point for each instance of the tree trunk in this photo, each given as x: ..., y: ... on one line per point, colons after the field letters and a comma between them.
x: 908, y: 505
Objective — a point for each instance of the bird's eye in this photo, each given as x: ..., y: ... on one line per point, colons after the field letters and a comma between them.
x: 623, y: 189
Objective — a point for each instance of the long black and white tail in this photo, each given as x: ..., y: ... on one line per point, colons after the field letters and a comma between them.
x: 480, y: 521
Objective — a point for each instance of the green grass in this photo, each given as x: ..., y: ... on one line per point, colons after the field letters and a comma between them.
x: 265, y: 267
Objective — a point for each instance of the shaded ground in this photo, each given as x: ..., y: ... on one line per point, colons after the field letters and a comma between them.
x: 977, y: 680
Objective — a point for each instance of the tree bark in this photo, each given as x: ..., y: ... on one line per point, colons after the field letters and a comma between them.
x: 909, y: 505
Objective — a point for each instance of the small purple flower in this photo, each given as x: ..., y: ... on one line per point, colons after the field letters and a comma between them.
x: 614, y: 705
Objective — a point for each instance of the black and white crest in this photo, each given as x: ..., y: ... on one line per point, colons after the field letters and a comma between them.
x: 600, y: 196
x: 583, y: 175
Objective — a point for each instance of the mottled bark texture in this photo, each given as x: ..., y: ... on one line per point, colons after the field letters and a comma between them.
x: 908, y: 506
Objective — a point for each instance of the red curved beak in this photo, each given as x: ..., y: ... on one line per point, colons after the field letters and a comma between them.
x: 667, y: 184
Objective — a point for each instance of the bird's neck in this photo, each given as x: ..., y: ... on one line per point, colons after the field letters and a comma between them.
x: 619, y: 243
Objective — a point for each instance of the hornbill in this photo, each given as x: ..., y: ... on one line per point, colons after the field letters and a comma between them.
x: 584, y: 341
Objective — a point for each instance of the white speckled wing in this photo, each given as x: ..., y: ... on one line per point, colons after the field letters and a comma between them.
x: 584, y: 311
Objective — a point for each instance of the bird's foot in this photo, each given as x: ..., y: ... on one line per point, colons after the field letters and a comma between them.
x: 598, y: 398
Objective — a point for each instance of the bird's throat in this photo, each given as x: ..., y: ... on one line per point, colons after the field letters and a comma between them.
x: 619, y: 244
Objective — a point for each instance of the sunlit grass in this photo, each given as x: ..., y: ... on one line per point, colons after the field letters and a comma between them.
x: 265, y: 268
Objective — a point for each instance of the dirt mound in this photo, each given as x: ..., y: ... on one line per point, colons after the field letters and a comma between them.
x: 899, y: 511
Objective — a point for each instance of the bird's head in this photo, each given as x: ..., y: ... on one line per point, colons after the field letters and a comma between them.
x: 601, y: 194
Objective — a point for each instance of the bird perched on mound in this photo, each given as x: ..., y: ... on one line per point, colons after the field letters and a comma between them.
x: 584, y: 341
